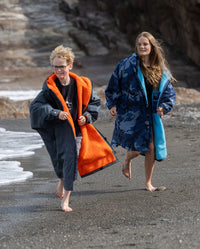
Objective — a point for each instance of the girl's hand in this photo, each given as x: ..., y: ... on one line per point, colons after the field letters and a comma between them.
x: 113, y: 112
x: 63, y: 115
x: 160, y: 111
x: 82, y: 120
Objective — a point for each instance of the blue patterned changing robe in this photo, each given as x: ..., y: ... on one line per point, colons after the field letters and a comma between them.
x: 135, y: 118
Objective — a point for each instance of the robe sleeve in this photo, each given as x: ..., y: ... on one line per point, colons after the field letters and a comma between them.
x: 41, y: 112
x: 112, y: 90
x: 167, y: 100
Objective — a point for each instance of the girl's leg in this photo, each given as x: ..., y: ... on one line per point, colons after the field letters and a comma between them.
x: 60, y: 189
x: 126, y: 169
x: 65, y: 202
x: 149, y: 166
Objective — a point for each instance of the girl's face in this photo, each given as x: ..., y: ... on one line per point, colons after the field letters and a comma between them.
x: 61, y: 69
x: 143, y: 46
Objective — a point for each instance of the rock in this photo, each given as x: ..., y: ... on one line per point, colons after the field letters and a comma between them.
x: 113, y: 25
x: 88, y: 42
x: 30, y: 30
x: 96, y: 25
x: 69, y: 6
x: 10, y: 109
x: 177, y: 22
x: 91, y: 20
x: 20, y: 109
x: 187, y: 95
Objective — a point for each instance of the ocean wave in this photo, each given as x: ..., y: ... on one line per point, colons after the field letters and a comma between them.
x: 15, y: 145
x: 12, y: 172
x: 19, y: 95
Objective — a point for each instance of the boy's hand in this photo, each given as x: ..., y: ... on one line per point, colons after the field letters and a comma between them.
x: 82, y: 120
x: 63, y: 115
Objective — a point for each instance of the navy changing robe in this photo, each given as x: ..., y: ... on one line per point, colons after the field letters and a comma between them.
x: 59, y: 135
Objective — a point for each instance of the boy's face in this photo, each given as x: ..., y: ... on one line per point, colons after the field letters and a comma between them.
x: 61, y: 69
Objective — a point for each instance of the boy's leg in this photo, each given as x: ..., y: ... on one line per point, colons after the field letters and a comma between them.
x: 65, y: 202
x: 60, y: 189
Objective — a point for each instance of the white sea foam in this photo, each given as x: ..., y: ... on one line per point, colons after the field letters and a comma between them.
x: 14, y: 145
x: 19, y: 95
x: 11, y: 172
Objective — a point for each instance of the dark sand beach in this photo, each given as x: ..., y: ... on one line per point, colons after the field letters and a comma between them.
x: 109, y: 211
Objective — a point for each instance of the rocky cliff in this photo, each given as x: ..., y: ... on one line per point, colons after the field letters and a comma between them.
x: 115, y: 25
x: 176, y: 22
x: 29, y: 30
x: 103, y: 29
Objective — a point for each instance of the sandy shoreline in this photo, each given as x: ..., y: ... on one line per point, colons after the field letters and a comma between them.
x: 109, y: 210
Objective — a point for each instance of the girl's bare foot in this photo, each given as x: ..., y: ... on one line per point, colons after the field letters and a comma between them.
x: 60, y: 189
x: 65, y: 202
x: 126, y: 171
x: 150, y: 188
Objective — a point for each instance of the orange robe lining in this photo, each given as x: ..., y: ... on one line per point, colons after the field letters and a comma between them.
x: 95, y: 153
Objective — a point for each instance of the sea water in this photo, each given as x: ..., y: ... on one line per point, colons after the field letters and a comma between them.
x: 19, y: 94
x: 12, y: 146
x: 16, y: 144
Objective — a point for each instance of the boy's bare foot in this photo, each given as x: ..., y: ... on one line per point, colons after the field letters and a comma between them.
x: 66, y: 208
x: 60, y: 189
x: 65, y: 202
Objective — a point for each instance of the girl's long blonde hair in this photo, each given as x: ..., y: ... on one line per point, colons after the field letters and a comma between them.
x: 157, y: 61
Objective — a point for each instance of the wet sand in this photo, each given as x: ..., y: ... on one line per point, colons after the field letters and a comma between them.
x: 109, y: 211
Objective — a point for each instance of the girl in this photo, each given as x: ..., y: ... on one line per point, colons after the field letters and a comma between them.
x: 138, y: 94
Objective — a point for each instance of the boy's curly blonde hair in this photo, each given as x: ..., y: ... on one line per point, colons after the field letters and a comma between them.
x: 62, y: 52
